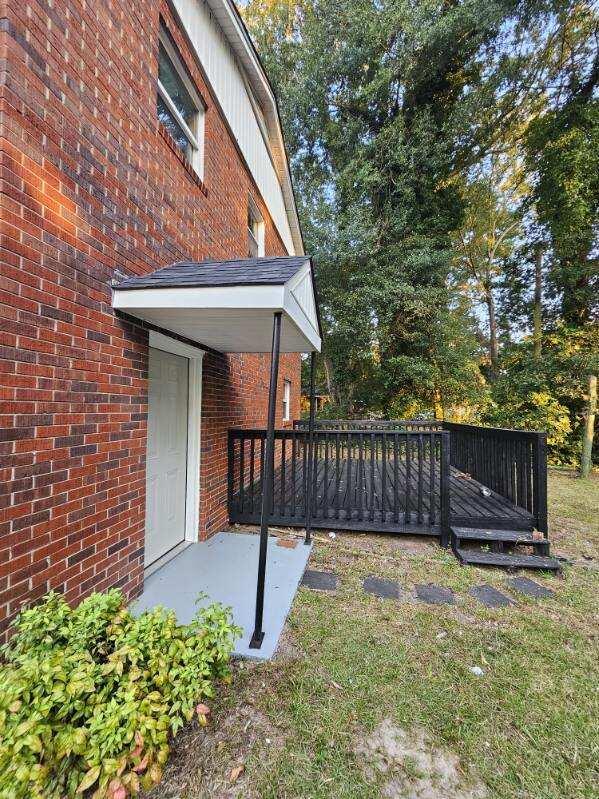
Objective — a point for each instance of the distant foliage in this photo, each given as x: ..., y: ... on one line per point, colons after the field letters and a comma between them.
x: 89, y: 697
x: 547, y: 393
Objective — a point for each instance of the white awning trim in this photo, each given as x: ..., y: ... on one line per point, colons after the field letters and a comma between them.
x: 229, y: 318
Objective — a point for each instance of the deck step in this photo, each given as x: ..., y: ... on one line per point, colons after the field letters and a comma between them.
x: 506, y: 536
x: 479, y: 558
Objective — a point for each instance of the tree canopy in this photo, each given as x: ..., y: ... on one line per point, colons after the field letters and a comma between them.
x: 446, y: 163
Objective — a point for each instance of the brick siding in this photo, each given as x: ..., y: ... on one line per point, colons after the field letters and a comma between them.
x: 92, y: 189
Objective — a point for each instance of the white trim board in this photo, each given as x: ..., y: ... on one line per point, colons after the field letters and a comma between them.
x: 227, y: 318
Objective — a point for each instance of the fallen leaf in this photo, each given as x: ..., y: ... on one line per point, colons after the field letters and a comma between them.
x: 287, y: 543
x: 142, y: 765
x: 236, y: 772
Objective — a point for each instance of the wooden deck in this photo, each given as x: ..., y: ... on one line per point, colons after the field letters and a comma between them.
x: 378, y: 495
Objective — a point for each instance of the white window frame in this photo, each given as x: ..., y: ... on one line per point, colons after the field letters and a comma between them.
x: 287, y: 400
x: 254, y: 212
x: 195, y: 137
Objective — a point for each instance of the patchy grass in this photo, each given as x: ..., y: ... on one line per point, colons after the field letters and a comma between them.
x: 357, y: 675
x: 573, y: 507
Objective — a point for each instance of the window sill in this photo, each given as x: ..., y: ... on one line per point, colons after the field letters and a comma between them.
x: 183, y: 160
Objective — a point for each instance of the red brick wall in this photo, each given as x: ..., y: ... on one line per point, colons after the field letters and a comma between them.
x: 90, y: 189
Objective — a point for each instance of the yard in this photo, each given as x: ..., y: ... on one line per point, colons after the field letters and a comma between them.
x: 374, y: 697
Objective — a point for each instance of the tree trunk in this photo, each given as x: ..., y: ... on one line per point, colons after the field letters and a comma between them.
x: 586, y: 459
x: 493, y: 342
x: 537, y: 311
x: 439, y: 412
x: 329, y: 372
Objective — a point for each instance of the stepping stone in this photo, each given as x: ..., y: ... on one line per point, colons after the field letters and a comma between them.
x: 490, y: 597
x: 321, y: 581
x: 435, y: 594
x: 386, y: 589
x: 528, y: 587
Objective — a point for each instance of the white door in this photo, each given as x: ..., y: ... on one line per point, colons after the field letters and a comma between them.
x: 166, y: 466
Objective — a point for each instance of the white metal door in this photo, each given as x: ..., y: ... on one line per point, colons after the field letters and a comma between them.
x: 166, y: 465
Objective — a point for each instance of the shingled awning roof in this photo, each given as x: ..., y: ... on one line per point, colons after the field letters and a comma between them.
x: 228, y: 305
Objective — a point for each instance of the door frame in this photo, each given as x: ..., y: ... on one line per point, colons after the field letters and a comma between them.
x: 194, y: 356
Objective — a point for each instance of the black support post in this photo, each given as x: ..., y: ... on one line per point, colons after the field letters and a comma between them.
x: 310, y: 459
x: 267, y: 483
x: 445, y: 481
x: 540, y: 486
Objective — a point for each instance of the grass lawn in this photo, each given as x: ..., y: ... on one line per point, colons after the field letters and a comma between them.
x: 371, y: 697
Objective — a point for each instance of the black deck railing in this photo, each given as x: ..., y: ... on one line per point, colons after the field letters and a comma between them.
x: 370, y: 424
x: 512, y: 463
x: 400, y: 476
x: 361, y: 479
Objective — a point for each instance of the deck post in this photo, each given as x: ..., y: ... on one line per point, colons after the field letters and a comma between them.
x: 445, y: 479
x: 267, y: 492
x: 540, y: 485
x: 310, y: 458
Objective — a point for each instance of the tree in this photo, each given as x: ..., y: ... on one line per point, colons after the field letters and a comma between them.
x: 444, y: 157
x: 486, y: 240
x: 374, y: 99
x: 562, y: 148
x: 589, y: 429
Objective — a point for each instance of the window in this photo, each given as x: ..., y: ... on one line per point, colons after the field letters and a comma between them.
x: 287, y: 400
x: 255, y: 231
x: 180, y: 108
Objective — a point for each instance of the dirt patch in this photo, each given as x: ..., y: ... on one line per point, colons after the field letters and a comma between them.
x: 410, y: 766
x: 210, y: 762
x: 287, y: 648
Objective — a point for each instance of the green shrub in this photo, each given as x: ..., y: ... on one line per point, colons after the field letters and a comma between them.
x: 90, y: 697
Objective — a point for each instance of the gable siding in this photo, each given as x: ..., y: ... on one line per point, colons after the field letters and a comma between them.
x: 225, y: 76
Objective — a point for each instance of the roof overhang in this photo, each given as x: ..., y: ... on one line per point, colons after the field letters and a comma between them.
x: 229, y: 305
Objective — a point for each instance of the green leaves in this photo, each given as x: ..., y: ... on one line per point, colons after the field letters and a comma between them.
x: 89, y: 779
x: 90, y: 696
x: 563, y: 150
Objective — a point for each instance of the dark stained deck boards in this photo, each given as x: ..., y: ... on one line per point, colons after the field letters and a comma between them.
x: 349, y: 492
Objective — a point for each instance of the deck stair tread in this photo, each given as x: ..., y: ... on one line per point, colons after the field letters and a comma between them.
x: 507, y: 536
x: 477, y: 557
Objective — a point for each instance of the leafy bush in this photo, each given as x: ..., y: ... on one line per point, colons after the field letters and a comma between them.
x: 90, y: 696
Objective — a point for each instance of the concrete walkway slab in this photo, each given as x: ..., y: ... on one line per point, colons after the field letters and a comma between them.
x: 320, y: 581
x: 435, y: 594
x: 490, y: 597
x: 528, y: 587
x: 225, y: 568
x: 378, y: 586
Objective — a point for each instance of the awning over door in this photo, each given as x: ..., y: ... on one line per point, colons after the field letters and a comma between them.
x: 229, y: 305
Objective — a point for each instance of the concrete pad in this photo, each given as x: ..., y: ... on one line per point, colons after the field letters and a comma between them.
x: 378, y: 586
x: 435, y: 594
x: 320, y: 581
x: 490, y: 597
x: 225, y: 568
x: 528, y: 587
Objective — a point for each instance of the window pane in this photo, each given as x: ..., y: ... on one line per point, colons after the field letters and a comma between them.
x: 253, y: 249
x: 169, y: 77
x: 171, y: 124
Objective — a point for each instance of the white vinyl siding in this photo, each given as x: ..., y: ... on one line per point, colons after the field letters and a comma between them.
x: 227, y: 81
